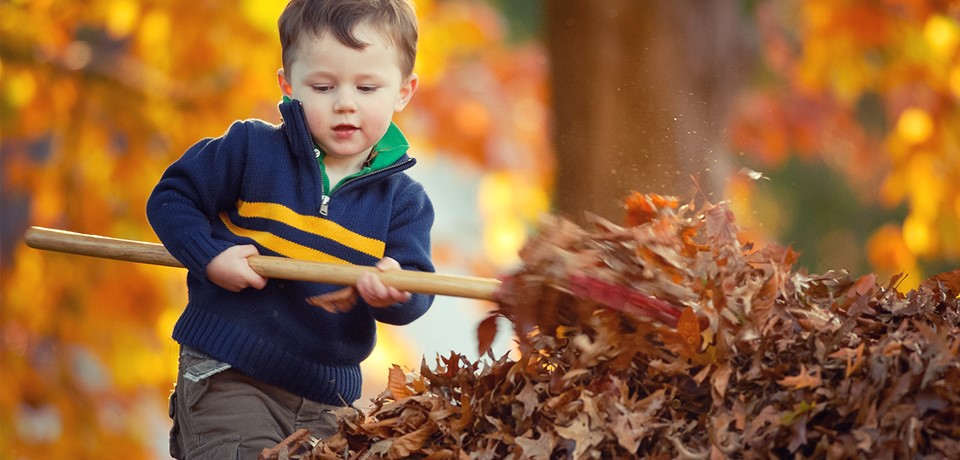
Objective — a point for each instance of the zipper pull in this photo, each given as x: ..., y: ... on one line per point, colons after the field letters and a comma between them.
x: 323, y: 205
x: 325, y: 199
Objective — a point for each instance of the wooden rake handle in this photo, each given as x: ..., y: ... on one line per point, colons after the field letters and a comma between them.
x: 266, y: 266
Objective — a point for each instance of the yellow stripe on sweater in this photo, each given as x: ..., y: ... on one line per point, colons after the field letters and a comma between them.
x: 280, y: 245
x: 313, y: 224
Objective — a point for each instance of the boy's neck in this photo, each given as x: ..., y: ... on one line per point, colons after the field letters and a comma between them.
x: 338, y: 168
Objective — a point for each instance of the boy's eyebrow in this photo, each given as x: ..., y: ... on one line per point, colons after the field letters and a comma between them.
x: 318, y: 73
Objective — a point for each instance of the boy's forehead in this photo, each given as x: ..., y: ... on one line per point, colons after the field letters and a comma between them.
x: 324, y: 53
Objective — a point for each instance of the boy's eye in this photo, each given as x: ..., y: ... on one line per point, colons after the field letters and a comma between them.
x: 367, y: 88
x: 322, y: 88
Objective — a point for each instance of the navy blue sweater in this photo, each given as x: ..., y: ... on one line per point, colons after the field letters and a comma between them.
x: 261, y: 184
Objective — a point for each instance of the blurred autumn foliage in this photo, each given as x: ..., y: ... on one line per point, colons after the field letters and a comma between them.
x: 98, y: 97
x: 855, y: 117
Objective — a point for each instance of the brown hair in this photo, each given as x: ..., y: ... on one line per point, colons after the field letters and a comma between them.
x: 396, y: 19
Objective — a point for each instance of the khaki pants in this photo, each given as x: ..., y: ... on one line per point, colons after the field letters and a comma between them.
x: 220, y: 413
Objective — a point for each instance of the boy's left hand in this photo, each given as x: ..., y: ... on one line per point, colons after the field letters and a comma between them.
x: 377, y: 294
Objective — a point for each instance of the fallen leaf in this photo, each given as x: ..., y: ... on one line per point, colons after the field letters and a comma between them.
x: 853, y: 357
x: 397, y: 383
x: 688, y: 326
x: 406, y: 445
x: 803, y: 379
x: 486, y: 332
x: 720, y: 379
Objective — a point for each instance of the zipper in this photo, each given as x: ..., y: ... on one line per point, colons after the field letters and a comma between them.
x: 371, y: 173
x: 326, y: 198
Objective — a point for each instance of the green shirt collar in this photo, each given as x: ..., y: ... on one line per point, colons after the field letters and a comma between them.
x: 392, y: 146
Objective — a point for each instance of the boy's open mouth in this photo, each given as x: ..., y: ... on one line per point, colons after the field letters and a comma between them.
x: 345, y: 129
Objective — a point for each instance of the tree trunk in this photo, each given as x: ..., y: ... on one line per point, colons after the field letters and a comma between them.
x: 640, y: 93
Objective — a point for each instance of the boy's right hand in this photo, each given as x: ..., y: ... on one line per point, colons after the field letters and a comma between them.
x: 230, y: 269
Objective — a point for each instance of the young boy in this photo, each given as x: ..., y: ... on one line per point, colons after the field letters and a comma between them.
x: 257, y: 361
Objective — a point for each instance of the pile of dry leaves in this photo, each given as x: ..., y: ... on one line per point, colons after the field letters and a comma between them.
x: 670, y: 338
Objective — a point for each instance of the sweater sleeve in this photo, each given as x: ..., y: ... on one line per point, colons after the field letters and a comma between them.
x: 191, y: 193
x: 409, y: 244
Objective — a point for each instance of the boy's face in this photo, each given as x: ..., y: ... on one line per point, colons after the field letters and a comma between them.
x: 349, y: 95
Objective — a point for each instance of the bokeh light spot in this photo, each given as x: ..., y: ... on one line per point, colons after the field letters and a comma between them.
x: 503, y: 238
x: 954, y: 81
x: 915, y: 125
x: 917, y: 235
x: 122, y: 17
x: 941, y: 34
x: 19, y: 89
x: 472, y: 118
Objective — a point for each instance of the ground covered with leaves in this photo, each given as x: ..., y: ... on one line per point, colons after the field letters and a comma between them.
x: 671, y: 338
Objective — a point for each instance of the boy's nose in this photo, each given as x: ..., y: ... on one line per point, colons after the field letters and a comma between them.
x: 344, y: 103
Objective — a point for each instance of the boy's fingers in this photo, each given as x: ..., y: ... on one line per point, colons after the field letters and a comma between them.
x: 247, y: 250
x: 252, y: 278
x: 256, y: 281
x: 398, y: 295
x: 375, y: 292
x: 388, y: 263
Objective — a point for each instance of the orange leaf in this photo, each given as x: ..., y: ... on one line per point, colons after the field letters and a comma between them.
x: 721, y: 379
x: 466, y: 414
x: 866, y: 284
x: 802, y: 380
x: 486, y: 332
x: 411, y: 443
x: 688, y: 327
x: 643, y: 208
x: 419, y: 385
x: 853, y: 356
x: 948, y: 280
x: 397, y: 383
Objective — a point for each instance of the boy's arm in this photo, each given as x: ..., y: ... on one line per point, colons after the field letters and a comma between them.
x: 201, y: 183
x: 409, y: 244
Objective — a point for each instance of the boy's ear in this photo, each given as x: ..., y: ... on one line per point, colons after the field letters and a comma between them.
x: 406, y: 92
x: 285, y: 86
